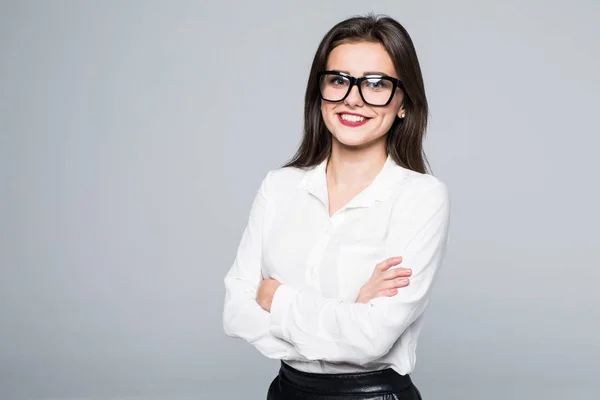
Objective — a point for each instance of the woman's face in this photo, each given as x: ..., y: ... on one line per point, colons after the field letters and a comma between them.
x: 352, y: 122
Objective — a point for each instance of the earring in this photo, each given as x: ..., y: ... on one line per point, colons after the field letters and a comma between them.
x: 402, y: 115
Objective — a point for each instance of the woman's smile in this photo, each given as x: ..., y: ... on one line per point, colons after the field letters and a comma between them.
x: 352, y: 120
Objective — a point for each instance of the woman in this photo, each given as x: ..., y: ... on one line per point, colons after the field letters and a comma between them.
x: 317, y: 281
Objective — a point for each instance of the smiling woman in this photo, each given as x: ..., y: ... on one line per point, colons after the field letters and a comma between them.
x: 317, y: 281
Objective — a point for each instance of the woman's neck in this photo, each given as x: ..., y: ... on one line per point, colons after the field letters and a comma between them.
x: 354, y: 168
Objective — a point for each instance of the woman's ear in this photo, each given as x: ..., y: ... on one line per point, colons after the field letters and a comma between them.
x: 401, y: 114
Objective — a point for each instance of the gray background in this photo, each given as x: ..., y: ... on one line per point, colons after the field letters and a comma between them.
x: 134, y: 135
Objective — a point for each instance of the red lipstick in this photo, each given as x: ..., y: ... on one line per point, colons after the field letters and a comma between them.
x: 352, y: 124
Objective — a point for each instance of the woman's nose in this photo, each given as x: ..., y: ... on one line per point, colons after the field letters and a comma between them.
x: 353, y: 99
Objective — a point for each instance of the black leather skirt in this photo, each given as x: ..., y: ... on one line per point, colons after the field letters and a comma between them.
x: 387, y: 384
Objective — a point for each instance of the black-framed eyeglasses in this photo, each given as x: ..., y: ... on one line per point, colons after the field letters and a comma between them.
x: 375, y: 90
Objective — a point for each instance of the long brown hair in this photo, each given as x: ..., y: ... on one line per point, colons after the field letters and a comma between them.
x: 405, y: 137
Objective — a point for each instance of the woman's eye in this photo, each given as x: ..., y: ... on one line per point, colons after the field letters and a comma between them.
x: 338, y: 81
x: 376, y: 83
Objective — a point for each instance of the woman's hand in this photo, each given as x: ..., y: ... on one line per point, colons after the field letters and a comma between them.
x: 265, y: 293
x: 384, y: 282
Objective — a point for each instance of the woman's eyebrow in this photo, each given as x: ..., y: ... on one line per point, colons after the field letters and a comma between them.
x: 364, y: 73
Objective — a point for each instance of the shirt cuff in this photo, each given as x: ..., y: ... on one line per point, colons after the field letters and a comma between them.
x: 280, y: 306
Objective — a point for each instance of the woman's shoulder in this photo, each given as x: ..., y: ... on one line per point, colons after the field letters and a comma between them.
x: 423, y: 188
x: 280, y: 182
x: 419, y: 181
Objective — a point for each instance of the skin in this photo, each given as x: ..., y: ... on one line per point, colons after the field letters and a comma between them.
x: 357, y: 156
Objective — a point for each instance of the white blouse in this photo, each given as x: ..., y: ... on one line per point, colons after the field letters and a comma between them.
x: 322, y: 262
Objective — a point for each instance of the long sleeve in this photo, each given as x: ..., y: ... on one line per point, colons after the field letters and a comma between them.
x: 341, y: 331
x: 243, y: 318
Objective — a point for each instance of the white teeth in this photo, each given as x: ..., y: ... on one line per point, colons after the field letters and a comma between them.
x: 352, y: 118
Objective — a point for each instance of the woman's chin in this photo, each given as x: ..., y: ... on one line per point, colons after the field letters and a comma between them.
x: 354, y: 141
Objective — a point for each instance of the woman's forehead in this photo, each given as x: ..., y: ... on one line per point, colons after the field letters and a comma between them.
x: 362, y: 58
